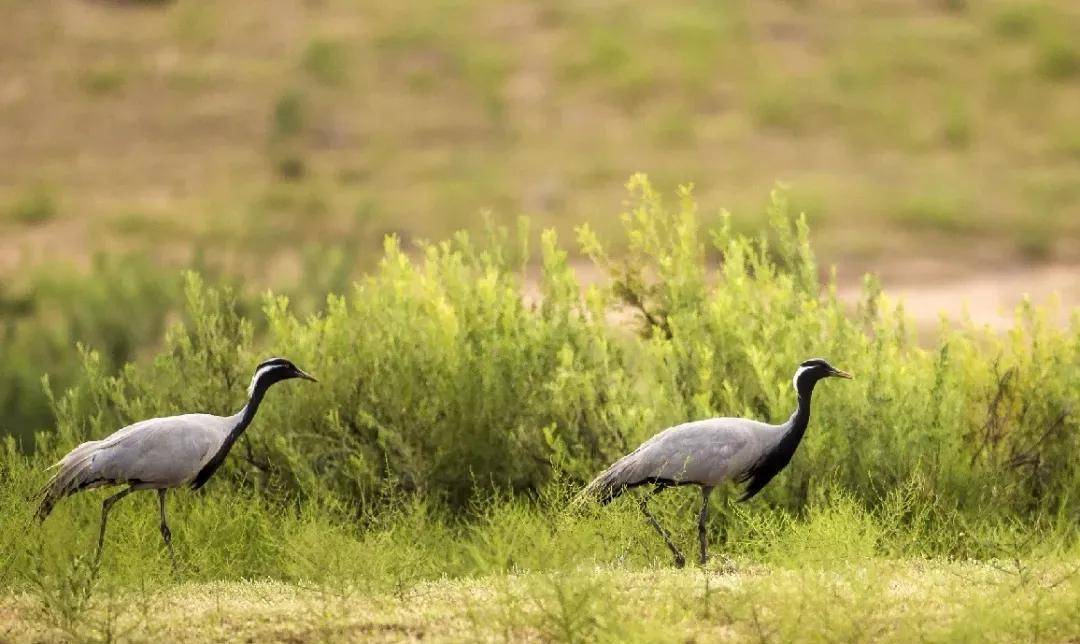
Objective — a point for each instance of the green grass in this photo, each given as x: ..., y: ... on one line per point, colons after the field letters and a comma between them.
x: 943, y: 208
x: 326, y: 61
x: 778, y: 107
x: 530, y: 571
x: 1059, y: 58
x: 288, y: 116
x: 876, y: 599
x: 1016, y: 20
x: 194, y: 24
x: 957, y: 130
x: 104, y: 79
x: 35, y: 205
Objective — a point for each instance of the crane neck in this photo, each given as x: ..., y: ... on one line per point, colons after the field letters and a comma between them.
x: 247, y: 414
x: 779, y: 453
x: 243, y: 419
x: 800, y: 419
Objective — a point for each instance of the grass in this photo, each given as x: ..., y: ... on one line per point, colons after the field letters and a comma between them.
x: 35, y: 205
x: 535, y: 573
x: 957, y: 129
x: 940, y: 208
x: 104, y: 79
x: 876, y: 599
x: 1059, y: 58
x: 289, y: 116
x: 1016, y: 20
x: 326, y: 61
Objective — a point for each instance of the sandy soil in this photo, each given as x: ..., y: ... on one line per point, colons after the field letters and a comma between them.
x: 988, y: 296
x: 930, y: 289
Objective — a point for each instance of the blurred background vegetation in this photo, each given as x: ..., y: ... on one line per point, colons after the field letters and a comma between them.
x: 275, y: 148
x: 900, y: 125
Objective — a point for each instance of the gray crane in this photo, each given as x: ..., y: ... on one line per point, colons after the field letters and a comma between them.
x: 160, y: 453
x: 713, y: 451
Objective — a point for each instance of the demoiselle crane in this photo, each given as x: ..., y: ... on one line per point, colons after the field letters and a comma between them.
x: 160, y: 453
x: 710, y: 452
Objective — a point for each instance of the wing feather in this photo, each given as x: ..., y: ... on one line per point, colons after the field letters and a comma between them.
x: 706, y: 452
x: 159, y: 452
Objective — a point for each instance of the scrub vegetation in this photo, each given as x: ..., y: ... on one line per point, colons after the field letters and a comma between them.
x: 424, y: 488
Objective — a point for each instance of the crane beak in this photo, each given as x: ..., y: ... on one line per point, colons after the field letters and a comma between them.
x: 842, y: 374
x: 300, y: 373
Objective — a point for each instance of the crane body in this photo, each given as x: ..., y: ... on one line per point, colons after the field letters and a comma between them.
x: 712, y: 452
x: 159, y: 453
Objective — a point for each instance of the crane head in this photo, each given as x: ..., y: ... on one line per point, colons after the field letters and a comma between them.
x: 814, y: 369
x: 275, y: 370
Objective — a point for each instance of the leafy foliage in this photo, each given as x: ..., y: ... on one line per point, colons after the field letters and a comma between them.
x: 439, y: 379
x: 456, y: 418
x: 120, y: 308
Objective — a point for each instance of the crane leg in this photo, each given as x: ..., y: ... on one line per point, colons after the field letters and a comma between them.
x: 680, y: 560
x: 703, y: 539
x: 105, y: 506
x: 166, y: 534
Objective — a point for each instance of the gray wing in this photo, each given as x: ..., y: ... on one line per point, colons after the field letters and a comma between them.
x: 708, y: 452
x: 160, y: 452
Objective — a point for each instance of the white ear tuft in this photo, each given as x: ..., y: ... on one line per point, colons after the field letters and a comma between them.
x: 795, y: 380
x: 259, y: 374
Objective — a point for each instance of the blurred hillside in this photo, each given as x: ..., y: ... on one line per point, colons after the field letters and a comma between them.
x: 904, y: 128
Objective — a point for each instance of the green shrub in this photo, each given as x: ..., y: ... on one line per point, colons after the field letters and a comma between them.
x: 36, y: 205
x: 937, y: 208
x: 440, y: 380
x: 1058, y: 58
x: 455, y: 420
x: 288, y: 116
x: 326, y: 61
x: 104, y: 79
x: 118, y: 307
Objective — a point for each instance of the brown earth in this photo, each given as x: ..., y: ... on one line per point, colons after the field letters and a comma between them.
x: 987, y: 297
x: 931, y: 290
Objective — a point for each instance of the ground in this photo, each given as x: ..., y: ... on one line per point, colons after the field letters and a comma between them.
x: 857, y: 600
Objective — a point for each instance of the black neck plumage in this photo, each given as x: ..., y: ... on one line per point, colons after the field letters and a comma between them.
x: 777, y: 459
x: 244, y: 418
x: 800, y: 419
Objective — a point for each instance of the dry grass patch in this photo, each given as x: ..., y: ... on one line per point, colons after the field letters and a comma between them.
x: 878, y: 599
